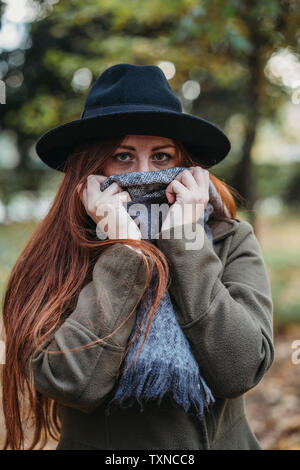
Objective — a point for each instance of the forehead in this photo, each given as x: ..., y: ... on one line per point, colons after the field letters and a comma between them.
x: 146, y: 140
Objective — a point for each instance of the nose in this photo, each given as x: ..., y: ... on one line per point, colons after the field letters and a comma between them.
x: 144, y: 164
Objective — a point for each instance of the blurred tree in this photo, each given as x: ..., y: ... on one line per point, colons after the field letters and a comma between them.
x: 293, y: 190
x: 232, y: 43
x: 222, y: 46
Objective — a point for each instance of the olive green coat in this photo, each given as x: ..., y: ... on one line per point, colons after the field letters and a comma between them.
x: 222, y: 300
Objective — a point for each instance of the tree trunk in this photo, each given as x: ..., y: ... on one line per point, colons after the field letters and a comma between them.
x: 244, y: 176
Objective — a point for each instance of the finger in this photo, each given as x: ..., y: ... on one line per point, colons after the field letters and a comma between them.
x: 187, y: 179
x: 201, y: 174
x: 85, y: 201
x: 196, y: 172
x: 204, y: 175
x: 174, y: 189
x: 100, y: 179
x: 113, y: 188
x: 170, y: 192
x: 93, y: 189
x: 124, y: 196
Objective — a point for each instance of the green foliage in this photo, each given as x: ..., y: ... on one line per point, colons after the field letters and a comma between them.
x: 219, y: 37
x: 224, y: 45
x: 42, y: 112
x: 275, y: 180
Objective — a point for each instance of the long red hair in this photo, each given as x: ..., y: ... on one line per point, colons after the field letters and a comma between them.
x: 45, y: 282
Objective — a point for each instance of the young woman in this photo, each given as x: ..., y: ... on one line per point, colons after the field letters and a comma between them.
x: 80, y: 307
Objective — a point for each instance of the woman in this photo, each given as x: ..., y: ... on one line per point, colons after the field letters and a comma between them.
x: 121, y: 342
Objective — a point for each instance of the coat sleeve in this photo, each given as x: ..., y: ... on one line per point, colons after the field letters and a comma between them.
x: 226, y: 312
x: 83, y: 378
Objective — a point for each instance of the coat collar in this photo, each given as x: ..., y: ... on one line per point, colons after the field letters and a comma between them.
x: 222, y: 227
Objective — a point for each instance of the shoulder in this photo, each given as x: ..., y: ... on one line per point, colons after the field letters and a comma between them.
x: 244, y: 241
x: 242, y: 230
x: 241, y: 234
x: 223, y: 227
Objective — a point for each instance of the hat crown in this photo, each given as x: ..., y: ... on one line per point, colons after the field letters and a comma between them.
x: 133, y: 99
x: 128, y: 84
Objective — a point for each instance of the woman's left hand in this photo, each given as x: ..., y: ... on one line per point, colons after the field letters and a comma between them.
x: 189, y: 194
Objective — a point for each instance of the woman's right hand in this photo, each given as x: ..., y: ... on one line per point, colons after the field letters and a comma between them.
x: 107, y: 210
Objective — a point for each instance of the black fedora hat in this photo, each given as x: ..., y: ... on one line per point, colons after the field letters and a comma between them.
x: 133, y: 99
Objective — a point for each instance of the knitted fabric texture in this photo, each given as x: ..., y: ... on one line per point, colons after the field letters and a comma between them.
x: 165, y: 363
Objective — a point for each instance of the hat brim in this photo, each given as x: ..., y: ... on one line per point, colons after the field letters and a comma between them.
x: 206, y: 143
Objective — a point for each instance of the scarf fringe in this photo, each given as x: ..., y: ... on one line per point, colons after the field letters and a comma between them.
x: 157, y: 382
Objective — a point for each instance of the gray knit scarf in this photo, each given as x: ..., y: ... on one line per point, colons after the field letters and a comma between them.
x: 165, y: 363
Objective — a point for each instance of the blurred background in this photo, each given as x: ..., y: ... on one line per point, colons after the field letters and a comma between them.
x: 235, y: 63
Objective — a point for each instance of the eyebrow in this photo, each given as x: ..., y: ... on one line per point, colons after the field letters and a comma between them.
x: 154, y: 148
